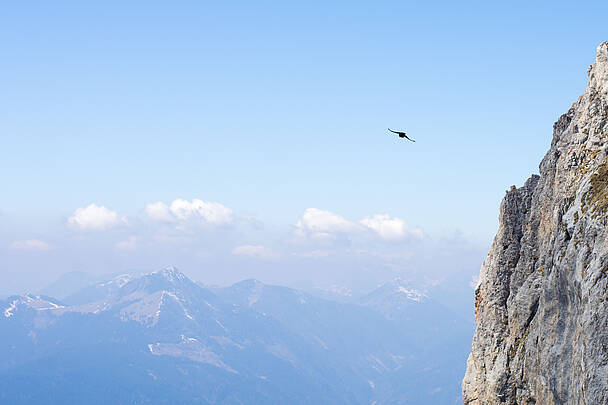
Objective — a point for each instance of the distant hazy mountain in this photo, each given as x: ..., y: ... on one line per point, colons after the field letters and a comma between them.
x: 335, y: 293
x: 413, y: 310
x: 68, y: 284
x: 99, y: 290
x: 161, y: 338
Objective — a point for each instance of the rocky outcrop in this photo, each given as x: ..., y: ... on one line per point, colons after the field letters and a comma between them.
x: 541, y: 305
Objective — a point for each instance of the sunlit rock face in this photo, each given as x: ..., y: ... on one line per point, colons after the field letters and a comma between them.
x: 542, y: 301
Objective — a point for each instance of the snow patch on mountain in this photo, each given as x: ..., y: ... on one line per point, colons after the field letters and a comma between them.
x: 147, y: 309
x: 226, y: 342
x: 191, y: 349
x: 256, y: 293
x: 9, y: 311
x: 412, y: 294
x: 35, y: 302
x: 321, y: 342
x: 118, y: 281
x: 282, y: 352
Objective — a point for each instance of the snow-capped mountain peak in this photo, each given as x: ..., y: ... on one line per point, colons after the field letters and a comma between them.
x: 171, y: 273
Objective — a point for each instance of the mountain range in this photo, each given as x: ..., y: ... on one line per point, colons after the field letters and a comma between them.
x: 163, y: 338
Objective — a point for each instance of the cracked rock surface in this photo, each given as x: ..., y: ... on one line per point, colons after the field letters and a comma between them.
x: 541, y: 305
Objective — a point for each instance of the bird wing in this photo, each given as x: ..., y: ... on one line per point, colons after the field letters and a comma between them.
x: 408, y: 138
x: 394, y: 132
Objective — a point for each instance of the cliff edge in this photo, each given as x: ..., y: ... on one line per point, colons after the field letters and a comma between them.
x: 541, y: 305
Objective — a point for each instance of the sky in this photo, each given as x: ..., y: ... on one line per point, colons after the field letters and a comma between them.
x: 249, y: 139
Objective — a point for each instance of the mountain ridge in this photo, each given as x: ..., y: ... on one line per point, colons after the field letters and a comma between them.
x: 252, y: 341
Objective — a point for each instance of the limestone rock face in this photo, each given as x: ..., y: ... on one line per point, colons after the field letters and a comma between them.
x: 541, y: 305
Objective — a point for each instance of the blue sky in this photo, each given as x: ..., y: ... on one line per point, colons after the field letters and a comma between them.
x: 271, y: 109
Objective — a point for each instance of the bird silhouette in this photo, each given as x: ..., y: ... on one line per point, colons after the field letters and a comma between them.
x: 402, y: 135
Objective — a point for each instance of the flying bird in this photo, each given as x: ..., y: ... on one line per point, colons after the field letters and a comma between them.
x: 402, y: 135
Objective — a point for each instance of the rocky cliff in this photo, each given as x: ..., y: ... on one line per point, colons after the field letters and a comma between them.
x: 541, y: 305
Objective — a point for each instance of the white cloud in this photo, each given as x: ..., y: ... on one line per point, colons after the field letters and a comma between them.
x: 319, y: 224
x: 211, y: 212
x: 30, y: 245
x: 256, y: 251
x: 390, y: 228
x: 159, y: 211
x: 182, y: 211
x: 94, y: 218
x: 323, y: 224
x: 129, y: 244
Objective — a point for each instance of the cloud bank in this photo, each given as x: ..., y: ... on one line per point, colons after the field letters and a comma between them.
x: 255, y: 251
x: 319, y: 224
x: 30, y: 245
x: 390, y: 228
x: 210, y: 213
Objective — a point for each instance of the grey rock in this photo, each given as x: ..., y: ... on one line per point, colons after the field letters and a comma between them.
x: 541, y: 305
